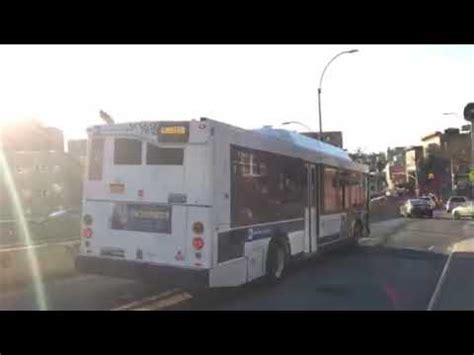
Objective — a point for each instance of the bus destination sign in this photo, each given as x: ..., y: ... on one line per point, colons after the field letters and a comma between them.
x: 173, y: 132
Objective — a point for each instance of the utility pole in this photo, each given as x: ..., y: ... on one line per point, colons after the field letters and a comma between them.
x: 453, y: 185
x: 472, y: 159
x: 469, y: 116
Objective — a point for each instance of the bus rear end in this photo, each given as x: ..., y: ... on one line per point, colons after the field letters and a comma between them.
x: 147, y: 201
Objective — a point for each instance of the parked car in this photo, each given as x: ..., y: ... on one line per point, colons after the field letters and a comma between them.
x: 431, y: 200
x: 455, y: 201
x: 465, y: 210
x: 416, y: 208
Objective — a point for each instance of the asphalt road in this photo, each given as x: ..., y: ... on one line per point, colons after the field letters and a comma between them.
x: 437, y: 234
x: 401, y: 271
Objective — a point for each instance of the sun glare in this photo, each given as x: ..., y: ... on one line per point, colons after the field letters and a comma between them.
x: 24, y: 232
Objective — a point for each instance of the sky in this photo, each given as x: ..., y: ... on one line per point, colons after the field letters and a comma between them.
x: 383, y: 96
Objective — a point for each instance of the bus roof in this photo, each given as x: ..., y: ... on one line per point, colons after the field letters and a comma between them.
x: 326, y: 151
x: 306, y: 142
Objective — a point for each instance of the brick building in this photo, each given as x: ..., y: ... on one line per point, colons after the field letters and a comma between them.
x: 444, y: 167
x: 395, y: 169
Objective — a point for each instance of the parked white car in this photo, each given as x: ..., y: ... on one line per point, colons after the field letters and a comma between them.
x: 455, y: 201
x: 465, y: 210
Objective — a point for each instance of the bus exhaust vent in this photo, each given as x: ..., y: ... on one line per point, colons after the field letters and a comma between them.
x: 177, y: 198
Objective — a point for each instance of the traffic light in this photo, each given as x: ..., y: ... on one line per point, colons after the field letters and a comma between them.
x: 469, y: 112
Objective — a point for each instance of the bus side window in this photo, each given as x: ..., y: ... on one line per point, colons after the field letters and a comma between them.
x: 331, y: 191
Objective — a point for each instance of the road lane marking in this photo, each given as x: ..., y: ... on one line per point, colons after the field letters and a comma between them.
x: 142, y: 302
x: 441, y: 279
x: 167, y: 302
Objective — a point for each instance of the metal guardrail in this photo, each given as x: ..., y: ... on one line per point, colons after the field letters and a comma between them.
x: 40, y: 231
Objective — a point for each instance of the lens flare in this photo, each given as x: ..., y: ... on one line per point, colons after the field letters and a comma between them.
x: 24, y: 232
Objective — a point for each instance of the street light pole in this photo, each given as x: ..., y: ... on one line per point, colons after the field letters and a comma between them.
x: 469, y: 116
x: 417, y: 187
x: 319, y: 110
x: 320, y: 85
x: 472, y: 158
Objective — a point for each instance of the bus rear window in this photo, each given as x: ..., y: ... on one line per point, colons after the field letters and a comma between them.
x: 164, y: 156
x: 127, y: 151
x: 96, y: 158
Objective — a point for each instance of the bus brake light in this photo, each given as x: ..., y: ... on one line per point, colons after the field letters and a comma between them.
x: 198, y: 243
x: 88, y: 219
x: 198, y: 228
x: 87, y: 233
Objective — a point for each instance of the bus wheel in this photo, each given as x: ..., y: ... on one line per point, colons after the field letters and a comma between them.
x: 277, y: 261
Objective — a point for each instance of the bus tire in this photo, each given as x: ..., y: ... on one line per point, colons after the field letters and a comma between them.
x: 277, y: 261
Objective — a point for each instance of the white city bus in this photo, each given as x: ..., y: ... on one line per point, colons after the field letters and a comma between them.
x: 209, y: 204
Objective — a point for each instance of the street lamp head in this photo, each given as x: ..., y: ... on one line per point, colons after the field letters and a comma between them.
x: 353, y: 51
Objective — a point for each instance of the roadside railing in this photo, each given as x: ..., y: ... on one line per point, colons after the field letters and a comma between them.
x: 59, y: 227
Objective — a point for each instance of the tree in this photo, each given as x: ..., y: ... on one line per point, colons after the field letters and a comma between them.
x: 434, y: 174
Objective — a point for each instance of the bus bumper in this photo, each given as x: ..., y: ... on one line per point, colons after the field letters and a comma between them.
x: 164, y: 274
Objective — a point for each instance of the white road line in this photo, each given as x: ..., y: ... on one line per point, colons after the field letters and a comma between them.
x: 140, y: 303
x: 437, y: 290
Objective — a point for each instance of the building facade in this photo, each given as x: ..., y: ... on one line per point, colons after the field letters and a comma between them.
x: 395, y: 170
x: 413, y: 160
x: 38, y: 170
x: 444, y: 167
x: 376, y: 162
x: 458, y: 149
x: 77, y: 149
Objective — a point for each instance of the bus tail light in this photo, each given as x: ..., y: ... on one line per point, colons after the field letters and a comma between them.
x: 88, y: 220
x: 198, y: 227
x: 198, y: 243
x: 87, y: 233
